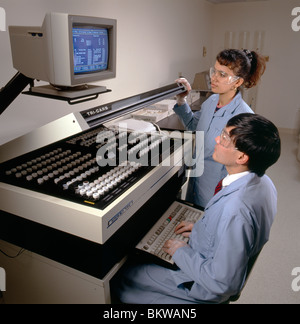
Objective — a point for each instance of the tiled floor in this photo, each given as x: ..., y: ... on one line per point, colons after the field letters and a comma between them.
x: 271, y: 279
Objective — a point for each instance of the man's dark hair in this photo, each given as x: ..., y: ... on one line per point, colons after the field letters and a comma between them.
x: 257, y: 137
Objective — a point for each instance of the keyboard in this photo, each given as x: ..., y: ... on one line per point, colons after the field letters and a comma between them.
x: 164, y: 229
x: 92, y: 168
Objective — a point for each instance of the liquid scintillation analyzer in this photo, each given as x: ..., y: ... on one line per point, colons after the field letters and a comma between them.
x: 83, y: 190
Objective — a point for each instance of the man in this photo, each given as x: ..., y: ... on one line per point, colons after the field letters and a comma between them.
x: 235, y: 226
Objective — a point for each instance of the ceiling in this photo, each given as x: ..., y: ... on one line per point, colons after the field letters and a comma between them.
x: 228, y: 1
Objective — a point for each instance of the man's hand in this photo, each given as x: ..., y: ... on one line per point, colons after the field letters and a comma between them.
x: 172, y: 245
x: 184, y: 228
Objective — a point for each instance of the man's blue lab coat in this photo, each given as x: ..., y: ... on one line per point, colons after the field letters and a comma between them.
x: 235, y: 226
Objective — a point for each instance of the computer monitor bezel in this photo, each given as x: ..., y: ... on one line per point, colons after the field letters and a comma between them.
x: 86, y: 21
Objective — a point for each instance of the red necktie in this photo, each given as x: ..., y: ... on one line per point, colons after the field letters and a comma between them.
x: 218, y: 187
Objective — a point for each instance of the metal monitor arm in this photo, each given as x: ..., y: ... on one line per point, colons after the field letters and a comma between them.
x: 13, y: 88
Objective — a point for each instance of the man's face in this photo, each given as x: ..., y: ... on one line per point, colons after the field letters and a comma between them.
x: 225, y: 151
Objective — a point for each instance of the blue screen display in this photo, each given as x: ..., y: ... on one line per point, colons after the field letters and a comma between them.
x: 90, y: 49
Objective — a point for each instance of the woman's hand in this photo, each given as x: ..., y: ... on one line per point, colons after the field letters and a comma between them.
x: 181, y: 98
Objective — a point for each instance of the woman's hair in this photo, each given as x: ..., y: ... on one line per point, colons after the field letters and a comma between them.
x: 245, y: 64
x: 257, y: 137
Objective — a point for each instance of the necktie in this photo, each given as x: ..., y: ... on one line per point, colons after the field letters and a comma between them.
x: 218, y: 187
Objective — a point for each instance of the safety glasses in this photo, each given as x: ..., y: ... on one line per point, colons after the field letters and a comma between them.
x: 225, y: 139
x: 222, y: 76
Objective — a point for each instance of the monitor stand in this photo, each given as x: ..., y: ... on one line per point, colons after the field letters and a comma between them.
x: 72, y: 95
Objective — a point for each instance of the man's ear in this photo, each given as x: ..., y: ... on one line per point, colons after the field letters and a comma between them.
x: 242, y: 159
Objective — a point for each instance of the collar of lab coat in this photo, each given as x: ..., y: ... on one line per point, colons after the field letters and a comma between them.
x: 247, y: 180
x: 228, y: 109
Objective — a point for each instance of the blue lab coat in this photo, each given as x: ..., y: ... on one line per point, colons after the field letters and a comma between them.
x: 201, y: 189
x: 235, y: 227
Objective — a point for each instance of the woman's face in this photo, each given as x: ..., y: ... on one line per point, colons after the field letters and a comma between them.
x: 223, y: 79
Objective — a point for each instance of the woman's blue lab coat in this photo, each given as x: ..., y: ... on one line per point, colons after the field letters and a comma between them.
x: 201, y: 189
x: 235, y: 226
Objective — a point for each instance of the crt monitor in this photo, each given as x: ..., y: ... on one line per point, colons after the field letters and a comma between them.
x: 67, y: 50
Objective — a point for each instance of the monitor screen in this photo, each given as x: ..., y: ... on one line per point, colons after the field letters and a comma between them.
x: 90, y: 49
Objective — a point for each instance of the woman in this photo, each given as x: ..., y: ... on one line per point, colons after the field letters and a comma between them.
x: 233, y: 69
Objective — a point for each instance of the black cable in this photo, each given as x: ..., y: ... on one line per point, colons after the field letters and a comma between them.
x: 11, y: 256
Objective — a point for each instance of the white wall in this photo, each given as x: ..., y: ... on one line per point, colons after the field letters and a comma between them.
x: 157, y: 39
x: 278, y: 93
